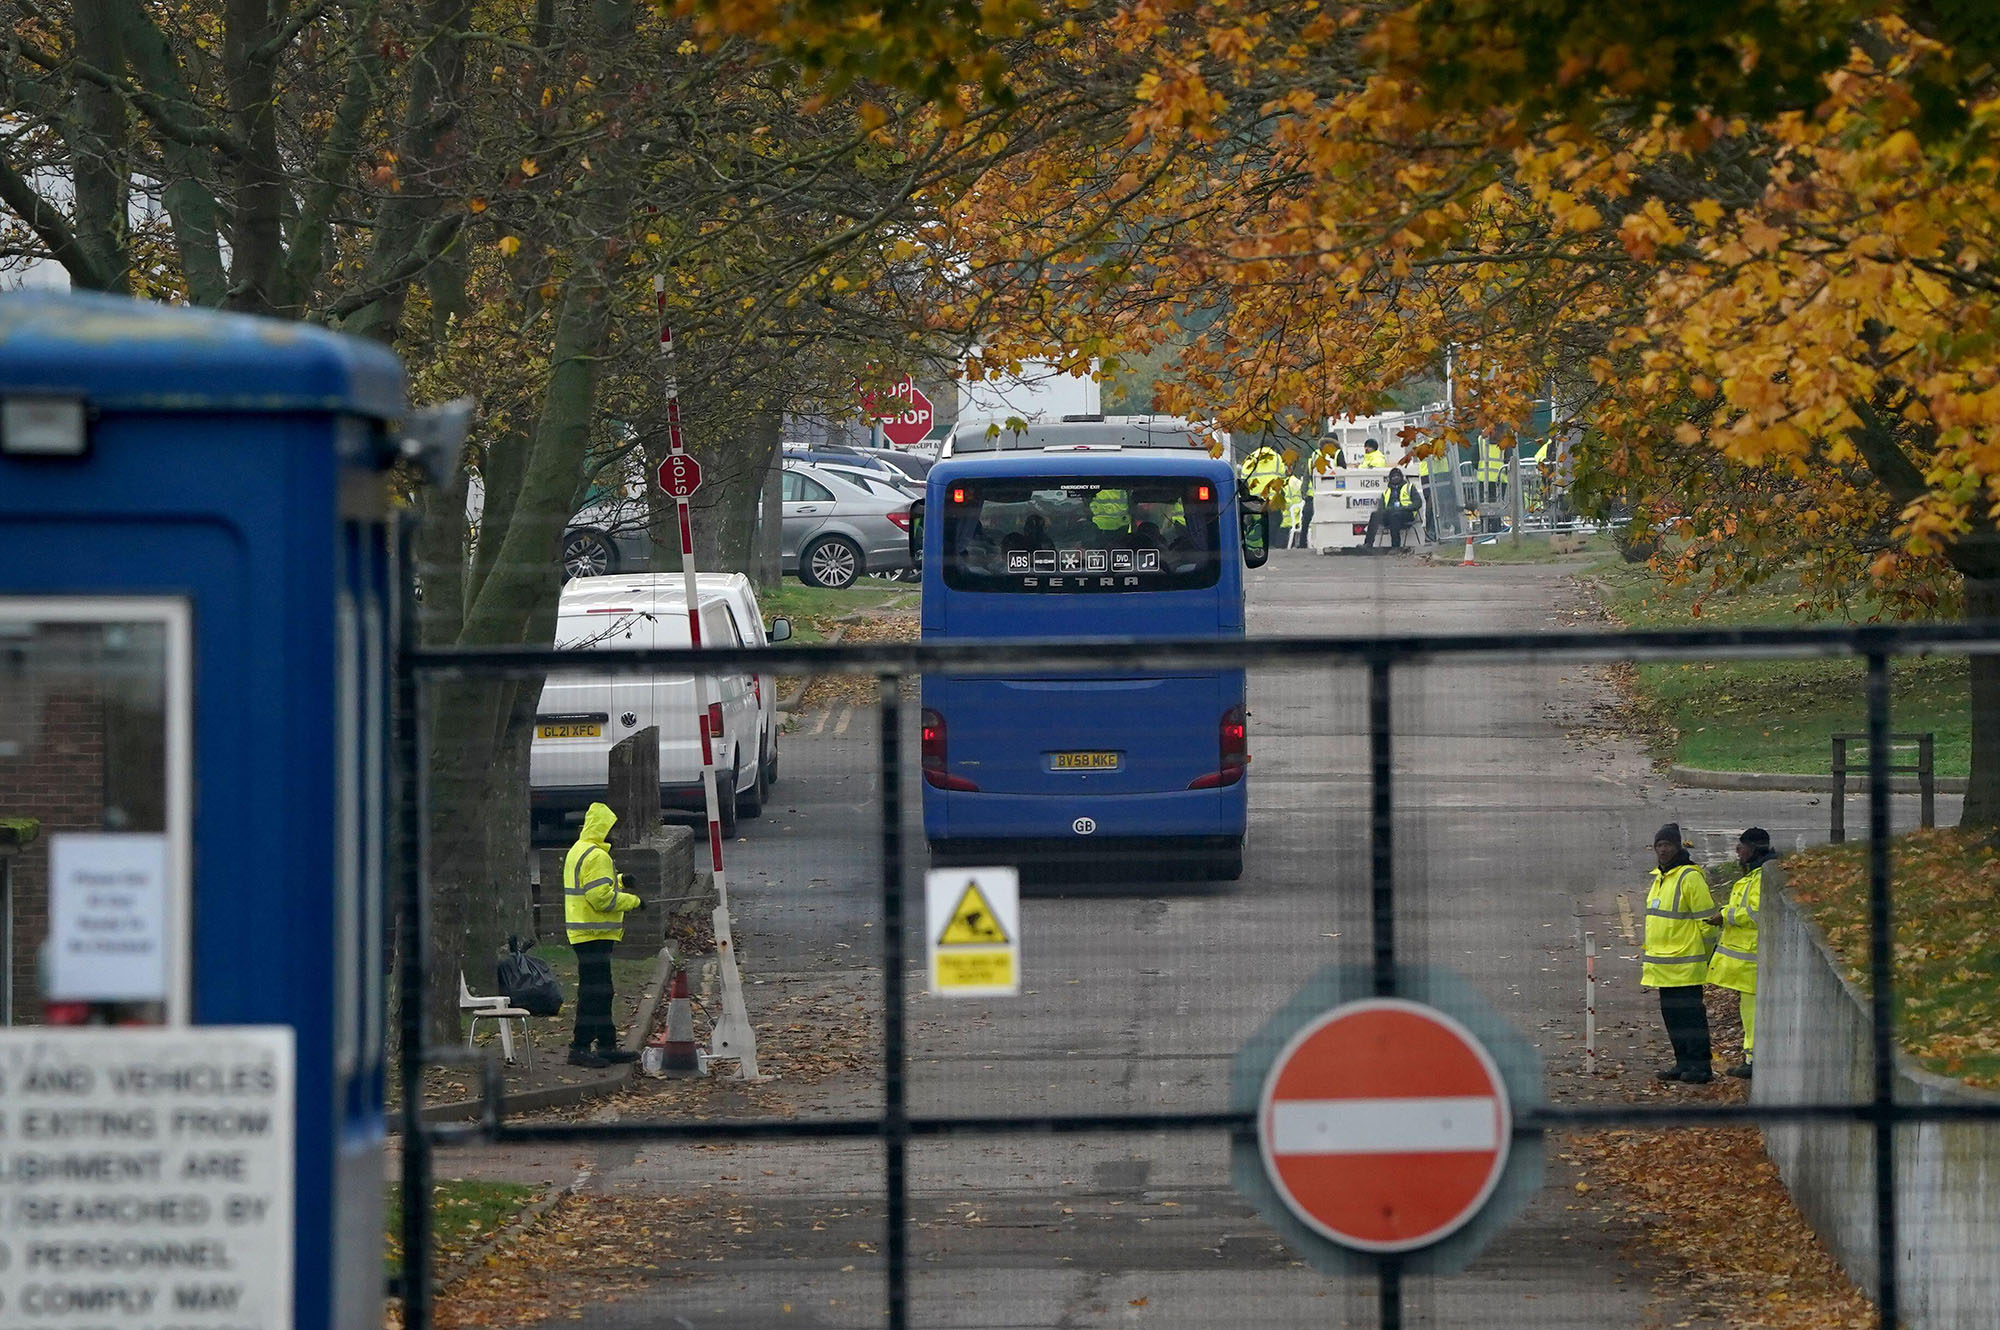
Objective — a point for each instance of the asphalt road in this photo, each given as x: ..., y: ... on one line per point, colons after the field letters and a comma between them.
x: 1522, y: 814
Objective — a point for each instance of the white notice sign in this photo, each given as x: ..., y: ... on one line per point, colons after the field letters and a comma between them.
x: 146, y: 1177
x: 107, y: 917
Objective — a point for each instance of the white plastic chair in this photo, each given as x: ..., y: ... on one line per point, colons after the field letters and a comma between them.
x: 497, y: 1009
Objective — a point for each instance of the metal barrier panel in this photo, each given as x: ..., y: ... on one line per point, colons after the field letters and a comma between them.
x: 1419, y: 800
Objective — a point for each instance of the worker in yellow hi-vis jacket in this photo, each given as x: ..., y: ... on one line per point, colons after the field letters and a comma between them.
x: 1678, y: 940
x: 594, y: 908
x: 1734, y: 964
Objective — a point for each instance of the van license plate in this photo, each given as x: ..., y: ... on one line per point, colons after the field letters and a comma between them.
x: 1083, y: 761
x: 590, y: 731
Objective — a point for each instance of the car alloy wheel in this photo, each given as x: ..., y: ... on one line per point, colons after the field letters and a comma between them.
x: 832, y: 563
x: 587, y: 554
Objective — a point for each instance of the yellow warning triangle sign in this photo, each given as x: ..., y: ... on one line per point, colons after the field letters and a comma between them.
x: 973, y: 922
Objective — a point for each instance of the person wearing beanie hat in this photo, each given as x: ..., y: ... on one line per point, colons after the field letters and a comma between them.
x: 1678, y: 908
x: 1734, y: 964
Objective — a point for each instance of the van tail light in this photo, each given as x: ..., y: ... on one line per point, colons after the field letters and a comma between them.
x: 757, y: 687
x: 901, y: 520
x: 715, y: 720
x: 935, y: 774
x: 1232, y: 752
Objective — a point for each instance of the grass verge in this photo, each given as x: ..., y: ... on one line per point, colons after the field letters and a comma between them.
x: 1535, y: 548
x: 813, y: 610
x: 1947, y: 945
x: 463, y: 1215
x: 1777, y: 715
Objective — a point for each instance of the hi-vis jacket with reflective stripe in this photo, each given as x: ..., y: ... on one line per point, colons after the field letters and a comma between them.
x: 1677, y: 941
x: 1734, y: 964
x: 1111, y: 510
x: 1400, y: 496
x: 593, y: 907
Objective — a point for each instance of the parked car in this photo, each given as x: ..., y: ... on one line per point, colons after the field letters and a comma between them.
x: 838, y: 455
x: 917, y: 466
x: 609, y: 536
x: 581, y: 716
x: 835, y: 531
x: 741, y: 598
x: 886, y: 483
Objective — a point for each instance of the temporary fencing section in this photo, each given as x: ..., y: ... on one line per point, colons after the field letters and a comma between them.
x: 1391, y: 919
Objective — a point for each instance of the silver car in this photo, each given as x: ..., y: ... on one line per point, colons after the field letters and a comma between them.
x: 607, y: 537
x: 835, y: 530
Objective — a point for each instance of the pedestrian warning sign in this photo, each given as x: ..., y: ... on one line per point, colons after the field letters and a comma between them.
x: 974, y: 917
x: 972, y: 922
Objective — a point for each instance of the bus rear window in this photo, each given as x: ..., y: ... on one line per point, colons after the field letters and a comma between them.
x: 1076, y: 534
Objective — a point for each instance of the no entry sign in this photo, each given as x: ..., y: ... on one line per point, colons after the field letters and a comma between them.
x: 1384, y: 1125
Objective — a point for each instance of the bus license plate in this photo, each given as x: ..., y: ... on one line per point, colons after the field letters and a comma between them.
x: 590, y: 731
x: 1083, y: 761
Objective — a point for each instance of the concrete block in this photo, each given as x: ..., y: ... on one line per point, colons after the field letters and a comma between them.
x: 663, y: 876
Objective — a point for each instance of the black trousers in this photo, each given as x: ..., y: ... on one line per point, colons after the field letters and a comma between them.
x: 593, y: 996
x: 1398, y: 520
x: 1687, y: 1025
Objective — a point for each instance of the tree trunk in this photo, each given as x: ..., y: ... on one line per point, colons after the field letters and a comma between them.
x: 1982, y: 795
x: 769, y: 562
x: 734, y: 467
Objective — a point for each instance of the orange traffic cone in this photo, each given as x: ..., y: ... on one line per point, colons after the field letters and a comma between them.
x: 1468, y: 561
x: 680, y: 1054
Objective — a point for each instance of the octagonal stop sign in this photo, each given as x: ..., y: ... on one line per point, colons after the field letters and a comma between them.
x: 1384, y: 1125
x: 680, y: 475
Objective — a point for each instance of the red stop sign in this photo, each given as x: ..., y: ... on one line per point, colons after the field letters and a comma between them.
x: 680, y: 475
x: 912, y: 421
x: 905, y: 418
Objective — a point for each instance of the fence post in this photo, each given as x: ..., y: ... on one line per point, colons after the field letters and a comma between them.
x: 1838, y: 832
x: 1927, y: 779
x: 1590, y: 1003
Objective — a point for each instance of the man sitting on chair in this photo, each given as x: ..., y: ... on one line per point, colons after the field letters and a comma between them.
x: 1398, y: 511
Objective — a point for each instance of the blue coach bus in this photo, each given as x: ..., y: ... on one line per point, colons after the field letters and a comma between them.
x: 1087, y: 528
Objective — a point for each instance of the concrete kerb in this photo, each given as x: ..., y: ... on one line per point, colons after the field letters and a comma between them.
x: 529, y: 1215
x: 790, y: 702
x: 567, y: 1096
x: 1700, y: 778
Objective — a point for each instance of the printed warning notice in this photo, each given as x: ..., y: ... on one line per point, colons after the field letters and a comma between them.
x: 974, y: 926
x: 146, y: 1177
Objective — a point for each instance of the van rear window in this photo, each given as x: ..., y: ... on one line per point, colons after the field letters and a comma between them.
x: 1071, y: 534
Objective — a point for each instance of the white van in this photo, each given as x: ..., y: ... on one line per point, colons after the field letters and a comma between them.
x: 741, y: 597
x: 580, y: 716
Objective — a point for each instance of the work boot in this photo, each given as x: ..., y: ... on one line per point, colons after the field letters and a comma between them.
x: 1700, y: 1076
x: 1667, y: 1074
x: 583, y: 1057
x: 616, y: 1055
x: 1741, y: 1071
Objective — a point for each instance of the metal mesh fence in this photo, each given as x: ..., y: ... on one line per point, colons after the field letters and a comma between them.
x: 1446, y: 775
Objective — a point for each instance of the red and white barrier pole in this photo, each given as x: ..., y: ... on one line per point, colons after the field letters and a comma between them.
x: 732, y: 1036
x: 1590, y: 1003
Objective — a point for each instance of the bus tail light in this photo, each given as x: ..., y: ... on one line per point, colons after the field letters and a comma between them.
x: 935, y: 774
x: 1232, y: 752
